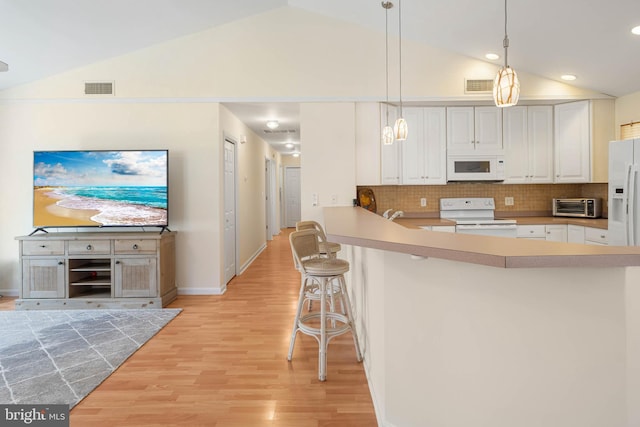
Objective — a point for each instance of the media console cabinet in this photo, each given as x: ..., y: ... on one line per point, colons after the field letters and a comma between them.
x: 97, y: 270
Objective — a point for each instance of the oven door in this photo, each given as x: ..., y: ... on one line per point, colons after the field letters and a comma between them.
x: 499, y: 230
x: 475, y: 168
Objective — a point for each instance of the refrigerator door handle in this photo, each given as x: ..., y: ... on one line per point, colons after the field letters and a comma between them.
x: 632, y: 176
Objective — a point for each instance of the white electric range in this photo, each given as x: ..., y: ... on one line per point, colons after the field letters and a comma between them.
x: 475, y: 215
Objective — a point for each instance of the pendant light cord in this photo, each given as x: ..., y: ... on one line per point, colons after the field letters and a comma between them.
x: 386, y: 52
x: 505, y: 43
x: 400, y: 49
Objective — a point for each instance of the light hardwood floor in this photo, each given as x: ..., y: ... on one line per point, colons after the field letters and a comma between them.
x: 222, y: 362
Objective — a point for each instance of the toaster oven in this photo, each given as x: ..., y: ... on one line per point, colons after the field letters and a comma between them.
x: 577, y: 207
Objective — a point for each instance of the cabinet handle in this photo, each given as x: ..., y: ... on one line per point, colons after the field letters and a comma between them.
x: 89, y: 247
x: 60, y: 262
x: 43, y: 246
x: 135, y: 246
x: 117, y: 262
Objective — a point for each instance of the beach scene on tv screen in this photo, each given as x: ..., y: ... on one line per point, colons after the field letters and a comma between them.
x: 100, y: 188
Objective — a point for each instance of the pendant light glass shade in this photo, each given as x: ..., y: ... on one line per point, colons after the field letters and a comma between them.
x: 506, y: 87
x: 400, y: 129
x: 387, y: 135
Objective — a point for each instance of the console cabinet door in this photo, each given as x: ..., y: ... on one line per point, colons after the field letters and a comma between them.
x: 43, y: 278
x: 136, y: 277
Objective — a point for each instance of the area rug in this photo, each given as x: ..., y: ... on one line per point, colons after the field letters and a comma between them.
x: 60, y: 356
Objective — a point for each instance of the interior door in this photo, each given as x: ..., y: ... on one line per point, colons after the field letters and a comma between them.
x: 292, y: 195
x: 229, y: 210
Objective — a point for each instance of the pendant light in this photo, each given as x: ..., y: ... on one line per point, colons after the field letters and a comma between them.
x: 387, y: 131
x: 506, y: 86
x: 400, y: 129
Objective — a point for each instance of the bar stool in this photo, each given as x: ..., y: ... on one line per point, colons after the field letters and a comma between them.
x: 329, y: 249
x: 321, y: 272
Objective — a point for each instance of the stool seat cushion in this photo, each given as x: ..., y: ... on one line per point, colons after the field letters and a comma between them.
x: 325, y: 266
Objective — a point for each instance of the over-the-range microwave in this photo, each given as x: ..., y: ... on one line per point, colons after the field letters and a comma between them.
x: 475, y: 167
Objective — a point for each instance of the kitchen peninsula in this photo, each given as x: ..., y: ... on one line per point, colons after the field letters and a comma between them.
x: 464, y: 330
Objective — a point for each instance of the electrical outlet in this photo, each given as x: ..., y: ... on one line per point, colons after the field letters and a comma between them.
x: 314, y: 199
x: 508, y: 201
x: 423, y: 202
x: 334, y: 199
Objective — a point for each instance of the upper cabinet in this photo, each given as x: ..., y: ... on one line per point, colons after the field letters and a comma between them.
x: 424, y: 151
x: 572, y: 142
x: 474, y: 129
x: 528, y: 144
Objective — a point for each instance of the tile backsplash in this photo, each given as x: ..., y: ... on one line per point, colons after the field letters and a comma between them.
x: 529, y: 199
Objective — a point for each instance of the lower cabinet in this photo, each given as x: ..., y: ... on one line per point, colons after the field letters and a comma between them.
x: 549, y: 232
x: 575, y: 233
x: 596, y: 236
x: 97, y: 270
x: 43, y: 278
x: 556, y: 233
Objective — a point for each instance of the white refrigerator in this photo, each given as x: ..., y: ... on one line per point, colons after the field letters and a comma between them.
x: 624, y: 192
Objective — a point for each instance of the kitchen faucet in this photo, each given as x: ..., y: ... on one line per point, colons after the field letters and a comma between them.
x: 395, y: 215
x: 386, y: 213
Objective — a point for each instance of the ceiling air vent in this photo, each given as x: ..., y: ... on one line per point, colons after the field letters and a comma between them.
x: 98, y: 88
x: 478, y: 86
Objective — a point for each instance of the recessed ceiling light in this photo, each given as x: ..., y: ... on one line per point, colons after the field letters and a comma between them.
x: 288, y: 145
x: 636, y: 30
x: 272, y: 124
x: 492, y: 56
x: 568, y: 77
x: 296, y: 154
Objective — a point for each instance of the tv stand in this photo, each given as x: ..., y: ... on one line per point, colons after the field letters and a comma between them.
x: 97, y: 270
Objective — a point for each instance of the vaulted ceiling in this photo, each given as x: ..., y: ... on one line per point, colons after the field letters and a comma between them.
x: 589, y: 38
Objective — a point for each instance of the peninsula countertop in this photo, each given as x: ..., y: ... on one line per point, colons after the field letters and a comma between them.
x: 359, y: 227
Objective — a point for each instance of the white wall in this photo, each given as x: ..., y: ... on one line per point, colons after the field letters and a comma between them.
x: 627, y: 110
x: 251, y: 213
x: 189, y: 131
x: 327, y: 132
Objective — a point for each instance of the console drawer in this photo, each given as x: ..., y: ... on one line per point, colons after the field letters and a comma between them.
x: 133, y: 246
x: 89, y: 247
x: 42, y: 247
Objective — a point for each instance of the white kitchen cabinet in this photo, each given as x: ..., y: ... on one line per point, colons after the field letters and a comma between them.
x: 572, y: 142
x: 474, y: 129
x: 424, y: 151
x: 556, y: 232
x: 595, y: 236
x: 528, y: 144
x: 444, y: 228
x: 533, y: 232
x: 575, y: 234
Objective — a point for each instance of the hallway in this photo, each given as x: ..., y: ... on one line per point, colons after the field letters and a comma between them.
x: 222, y: 362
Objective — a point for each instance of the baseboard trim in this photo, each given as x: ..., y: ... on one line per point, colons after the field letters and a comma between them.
x: 9, y: 292
x: 202, y: 291
x: 246, y: 265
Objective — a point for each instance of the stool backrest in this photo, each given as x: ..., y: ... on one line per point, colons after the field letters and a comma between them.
x: 305, y: 244
x: 312, y: 225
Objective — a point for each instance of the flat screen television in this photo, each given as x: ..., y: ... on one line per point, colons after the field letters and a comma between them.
x: 100, y: 188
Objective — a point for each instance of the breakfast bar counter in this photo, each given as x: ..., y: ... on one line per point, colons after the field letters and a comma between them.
x: 468, y: 330
x: 357, y: 226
